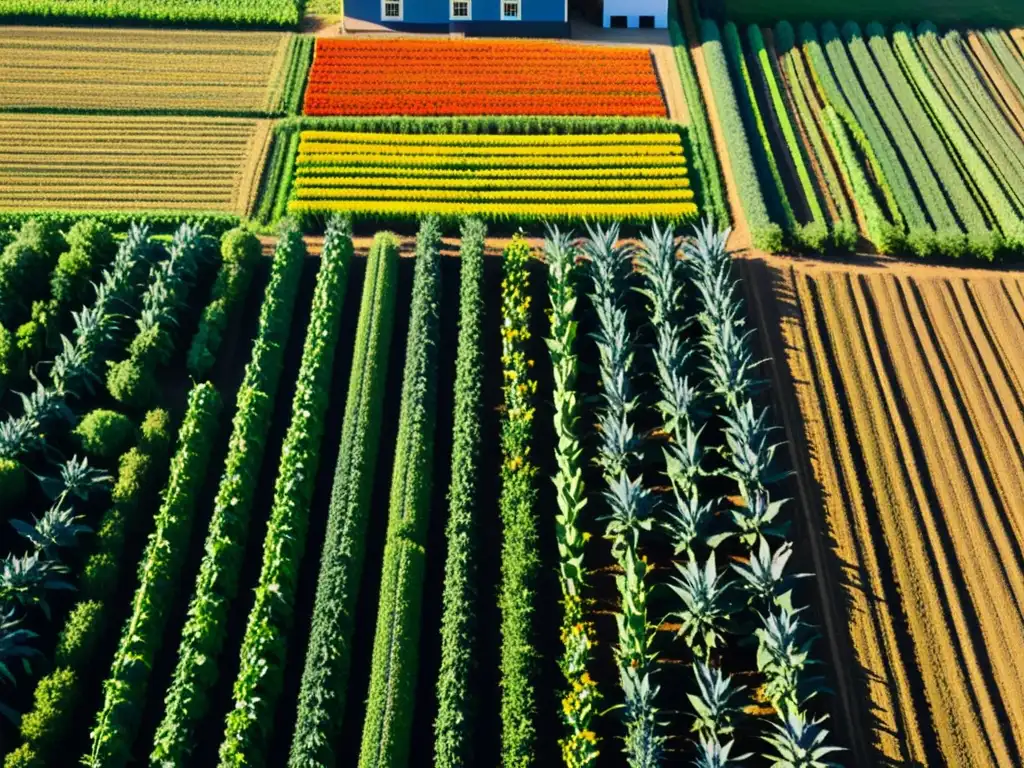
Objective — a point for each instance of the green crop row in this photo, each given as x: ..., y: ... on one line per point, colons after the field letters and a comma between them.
x: 511, y: 125
x: 387, y: 726
x: 813, y: 234
x: 704, y: 159
x: 974, y: 168
x: 300, y: 60
x: 264, y: 648
x: 239, y: 250
x: 47, y: 727
x: 1003, y: 48
x: 322, y: 694
x: 229, y: 13
x: 202, y: 639
x: 133, y: 380
x: 981, y: 241
x: 159, y: 577
x: 766, y: 234
x: 453, y: 728
x: 213, y: 223
x: 519, y: 559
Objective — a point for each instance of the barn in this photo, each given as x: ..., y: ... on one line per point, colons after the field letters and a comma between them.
x: 508, y: 18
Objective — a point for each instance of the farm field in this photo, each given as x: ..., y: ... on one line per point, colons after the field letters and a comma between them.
x: 907, y: 426
x: 261, y: 13
x: 896, y: 11
x: 607, y: 176
x: 479, y: 77
x: 908, y: 138
x: 121, y: 163
x: 145, y: 71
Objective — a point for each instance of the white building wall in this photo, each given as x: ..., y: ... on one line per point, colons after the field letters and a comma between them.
x: 634, y: 9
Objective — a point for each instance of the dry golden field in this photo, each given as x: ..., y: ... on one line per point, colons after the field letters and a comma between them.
x: 114, y: 163
x: 903, y: 392
x: 142, y: 70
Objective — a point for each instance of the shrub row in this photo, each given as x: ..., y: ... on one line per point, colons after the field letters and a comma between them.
x: 202, y: 639
x: 239, y: 250
x: 974, y: 169
x: 886, y: 228
x: 328, y: 656
x: 519, y: 559
x: 133, y: 380
x: 163, y: 222
x: 387, y: 727
x: 47, y: 727
x: 515, y: 126
x: 159, y: 577
x: 300, y: 60
x: 264, y: 647
x: 981, y: 241
x: 766, y: 234
x: 453, y: 728
x: 814, y: 233
x: 844, y: 226
x: 705, y: 160
x: 950, y: 239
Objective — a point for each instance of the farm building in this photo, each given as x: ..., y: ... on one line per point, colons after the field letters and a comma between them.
x: 479, y: 17
x: 636, y: 13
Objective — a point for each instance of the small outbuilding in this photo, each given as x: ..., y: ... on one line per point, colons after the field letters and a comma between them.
x: 636, y: 13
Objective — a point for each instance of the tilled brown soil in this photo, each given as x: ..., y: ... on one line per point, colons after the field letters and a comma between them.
x: 907, y: 420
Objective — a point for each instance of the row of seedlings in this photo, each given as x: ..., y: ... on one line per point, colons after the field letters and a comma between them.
x: 49, y: 725
x: 387, y: 727
x: 627, y: 502
x: 453, y: 727
x: 783, y: 639
x: 323, y: 690
x: 118, y: 720
x: 517, y: 504
x: 187, y: 699
x: 579, y: 703
x: 264, y: 647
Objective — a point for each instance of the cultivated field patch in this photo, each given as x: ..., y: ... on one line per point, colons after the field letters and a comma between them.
x: 480, y: 77
x: 185, y: 72
x: 265, y: 13
x: 632, y: 176
x: 108, y: 163
x: 911, y: 425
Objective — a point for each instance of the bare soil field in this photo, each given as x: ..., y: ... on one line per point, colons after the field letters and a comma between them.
x: 902, y: 387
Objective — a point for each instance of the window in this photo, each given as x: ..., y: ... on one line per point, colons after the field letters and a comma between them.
x: 510, y: 10
x: 646, y: 22
x: 619, y: 22
x: 461, y: 9
x: 392, y: 9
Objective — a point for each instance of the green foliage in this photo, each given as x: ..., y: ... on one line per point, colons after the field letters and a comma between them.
x: 12, y: 481
x: 322, y: 694
x: 202, y: 639
x: 105, y: 434
x: 281, y: 153
x: 519, y: 559
x: 25, y: 267
x: 212, y: 222
x: 240, y: 250
x: 287, y: 175
x: 52, y: 710
x: 264, y: 647
x: 766, y: 234
x: 513, y: 125
x: 299, y: 63
x: 156, y: 432
x: 159, y: 576
x: 965, y: 12
x: 387, y: 727
x: 579, y: 747
x: 229, y: 13
x: 23, y: 757
x: 453, y: 728
x: 704, y: 158
x: 78, y: 638
x: 91, y: 246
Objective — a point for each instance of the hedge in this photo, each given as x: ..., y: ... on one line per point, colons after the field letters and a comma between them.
x: 47, y: 727
x: 453, y: 728
x: 387, y: 727
x: 264, y: 649
x: 25, y: 268
x: 976, y: 171
x: 104, y: 434
x: 324, y: 677
x: 520, y: 561
x: 124, y: 691
x: 844, y: 228
x: 981, y: 242
x: 766, y: 234
x: 950, y: 239
x: 239, y: 250
x: 202, y: 639
x: 161, y: 222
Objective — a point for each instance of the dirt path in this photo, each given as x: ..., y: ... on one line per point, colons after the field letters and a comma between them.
x: 668, y: 74
x: 907, y: 382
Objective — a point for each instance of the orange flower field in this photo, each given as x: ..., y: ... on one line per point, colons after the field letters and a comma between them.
x: 479, y: 77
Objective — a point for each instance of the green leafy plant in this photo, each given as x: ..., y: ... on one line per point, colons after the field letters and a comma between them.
x: 104, y: 433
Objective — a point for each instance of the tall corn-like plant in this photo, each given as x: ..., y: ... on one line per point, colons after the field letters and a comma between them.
x: 579, y: 747
x: 387, y: 728
x: 322, y: 694
x: 453, y: 728
x: 519, y: 560
x: 628, y: 503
